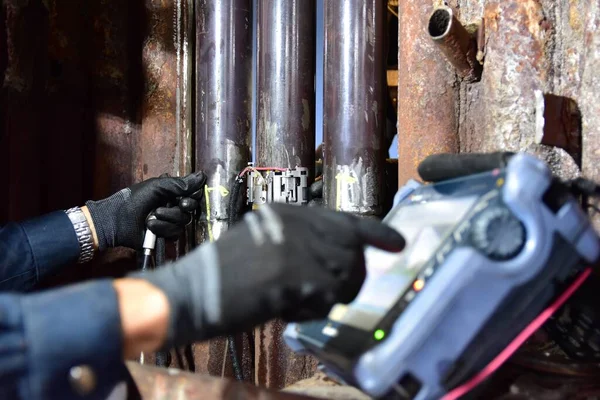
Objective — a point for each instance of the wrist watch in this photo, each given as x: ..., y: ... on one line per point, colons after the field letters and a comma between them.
x: 83, y: 232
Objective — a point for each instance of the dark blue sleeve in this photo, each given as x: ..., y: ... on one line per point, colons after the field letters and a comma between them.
x: 44, y: 336
x: 34, y: 249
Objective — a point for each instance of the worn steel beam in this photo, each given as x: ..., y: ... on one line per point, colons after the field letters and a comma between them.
x: 427, y: 92
x: 354, y: 105
x: 285, y: 138
x: 150, y: 383
x: 222, y: 123
x: 285, y: 134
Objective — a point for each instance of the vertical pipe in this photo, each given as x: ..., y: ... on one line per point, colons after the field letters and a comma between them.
x: 354, y: 105
x: 427, y: 92
x: 285, y: 138
x: 223, y: 101
x: 222, y: 122
x: 286, y: 88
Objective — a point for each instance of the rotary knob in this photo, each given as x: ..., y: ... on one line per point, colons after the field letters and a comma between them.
x: 498, y: 234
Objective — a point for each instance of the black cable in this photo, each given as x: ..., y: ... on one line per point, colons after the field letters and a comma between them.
x: 236, y: 207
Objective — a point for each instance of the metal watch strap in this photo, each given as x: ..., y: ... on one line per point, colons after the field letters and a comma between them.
x: 84, y: 234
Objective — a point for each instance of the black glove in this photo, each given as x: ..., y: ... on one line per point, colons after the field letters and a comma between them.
x: 281, y: 261
x: 120, y: 220
x: 440, y: 167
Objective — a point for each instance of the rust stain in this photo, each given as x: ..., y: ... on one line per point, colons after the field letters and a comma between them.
x: 276, y: 366
x: 427, y: 92
x: 516, y: 59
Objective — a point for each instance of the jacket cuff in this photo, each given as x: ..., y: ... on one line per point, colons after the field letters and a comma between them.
x: 53, y: 242
x: 77, y: 326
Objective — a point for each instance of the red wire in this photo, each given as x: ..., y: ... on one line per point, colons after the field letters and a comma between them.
x: 261, y: 169
x: 518, y: 341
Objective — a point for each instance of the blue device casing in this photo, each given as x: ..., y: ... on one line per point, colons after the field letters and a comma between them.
x: 471, y: 305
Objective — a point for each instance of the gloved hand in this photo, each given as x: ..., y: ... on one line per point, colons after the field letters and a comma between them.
x: 281, y: 261
x: 120, y: 220
x: 444, y: 166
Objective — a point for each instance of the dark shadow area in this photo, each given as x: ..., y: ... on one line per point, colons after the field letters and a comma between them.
x: 562, y: 125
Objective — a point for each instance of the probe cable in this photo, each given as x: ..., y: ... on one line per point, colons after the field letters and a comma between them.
x: 518, y: 341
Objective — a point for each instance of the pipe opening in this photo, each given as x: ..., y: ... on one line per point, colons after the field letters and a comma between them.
x: 440, y: 23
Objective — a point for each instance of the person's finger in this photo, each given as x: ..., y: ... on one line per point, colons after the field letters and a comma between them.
x: 316, y: 189
x: 441, y: 167
x: 174, y: 215
x: 376, y: 233
x: 188, y: 204
x: 164, y: 229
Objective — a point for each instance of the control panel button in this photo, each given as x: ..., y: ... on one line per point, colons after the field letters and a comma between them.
x: 498, y: 234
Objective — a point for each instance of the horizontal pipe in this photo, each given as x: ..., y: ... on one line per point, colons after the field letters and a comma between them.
x: 459, y: 47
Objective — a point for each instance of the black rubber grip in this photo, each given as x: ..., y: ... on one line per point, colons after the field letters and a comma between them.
x: 440, y: 167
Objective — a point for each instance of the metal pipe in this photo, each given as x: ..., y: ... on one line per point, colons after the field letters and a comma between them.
x: 222, y: 124
x: 223, y: 102
x: 354, y: 105
x: 285, y: 138
x: 459, y: 47
x: 285, y: 135
x: 427, y: 93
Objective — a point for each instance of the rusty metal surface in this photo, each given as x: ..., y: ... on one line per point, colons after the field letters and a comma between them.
x: 458, y: 45
x: 286, y: 90
x: 531, y: 75
x: 78, y: 112
x: 165, y: 139
x: 427, y: 92
x: 323, y: 387
x: 161, y: 384
x: 285, y: 138
x: 116, y: 76
x: 354, y: 105
x: 223, y: 68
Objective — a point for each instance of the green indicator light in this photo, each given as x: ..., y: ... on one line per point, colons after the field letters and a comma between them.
x: 379, y: 334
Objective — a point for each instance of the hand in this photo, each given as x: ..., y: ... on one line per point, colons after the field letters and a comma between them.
x: 120, y: 220
x: 440, y: 167
x: 282, y: 261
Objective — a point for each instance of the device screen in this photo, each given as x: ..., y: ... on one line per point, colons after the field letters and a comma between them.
x: 424, y: 226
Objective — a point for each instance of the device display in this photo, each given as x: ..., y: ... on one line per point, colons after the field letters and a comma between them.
x: 424, y: 226
x: 485, y: 255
